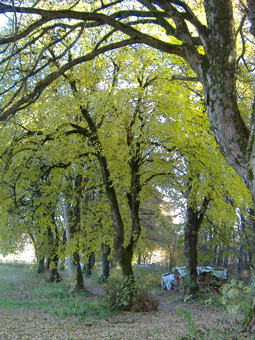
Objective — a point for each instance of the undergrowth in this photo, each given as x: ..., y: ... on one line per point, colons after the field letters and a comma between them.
x: 22, y: 287
x: 128, y: 295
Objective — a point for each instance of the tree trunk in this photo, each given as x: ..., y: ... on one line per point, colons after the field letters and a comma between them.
x: 123, y: 253
x: 47, y: 264
x: 251, y: 241
x: 193, y: 224
x: 75, y: 272
x: 72, y: 227
x: 226, y: 258
x: 40, y: 263
x: 105, y: 270
x: 190, y: 251
x: 220, y: 256
x: 54, y: 274
x: 53, y: 255
x: 218, y: 75
x: 89, y: 265
x: 139, y: 257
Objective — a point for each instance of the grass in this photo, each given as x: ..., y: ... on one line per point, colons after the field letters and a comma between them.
x: 23, y: 293
x: 21, y: 287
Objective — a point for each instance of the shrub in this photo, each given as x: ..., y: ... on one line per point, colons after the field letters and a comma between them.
x: 127, y: 295
x: 236, y: 298
x: 145, y: 302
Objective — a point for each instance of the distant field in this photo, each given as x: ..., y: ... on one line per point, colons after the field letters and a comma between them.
x: 27, y: 255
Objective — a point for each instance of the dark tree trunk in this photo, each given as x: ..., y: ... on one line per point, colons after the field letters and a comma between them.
x: 48, y: 261
x: 72, y: 224
x: 92, y: 260
x: 89, y: 265
x: 53, y: 255
x: 54, y: 274
x: 193, y: 224
x: 105, y: 270
x: 123, y: 253
x: 40, y: 264
x: 190, y: 251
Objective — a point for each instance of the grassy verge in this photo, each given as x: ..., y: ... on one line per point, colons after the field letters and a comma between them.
x: 21, y: 287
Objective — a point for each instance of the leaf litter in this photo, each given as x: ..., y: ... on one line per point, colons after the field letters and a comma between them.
x: 25, y: 321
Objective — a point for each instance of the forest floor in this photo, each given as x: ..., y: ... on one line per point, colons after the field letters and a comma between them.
x: 32, y: 308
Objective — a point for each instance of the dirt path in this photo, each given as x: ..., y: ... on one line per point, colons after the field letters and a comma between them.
x: 164, y: 298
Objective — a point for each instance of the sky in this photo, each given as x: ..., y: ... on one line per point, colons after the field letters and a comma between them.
x: 27, y: 255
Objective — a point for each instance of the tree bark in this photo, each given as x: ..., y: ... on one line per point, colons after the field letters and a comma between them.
x: 105, y: 270
x: 72, y: 221
x: 194, y: 220
x: 53, y: 255
x: 40, y: 263
x: 89, y: 265
x: 190, y: 252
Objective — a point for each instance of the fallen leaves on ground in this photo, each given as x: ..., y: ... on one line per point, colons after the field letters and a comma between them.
x: 26, y: 322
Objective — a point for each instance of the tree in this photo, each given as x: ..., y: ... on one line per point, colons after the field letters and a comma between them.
x: 204, y: 38
x: 72, y: 218
x: 21, y: 203
x: 208, y: 45
x: 121, y: 157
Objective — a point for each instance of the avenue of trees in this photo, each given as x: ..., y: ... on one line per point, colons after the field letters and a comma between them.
x: 109, y: 107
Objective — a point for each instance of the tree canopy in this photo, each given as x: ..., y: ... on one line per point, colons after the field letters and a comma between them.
x: 203, y: 34
x: 120, y: 99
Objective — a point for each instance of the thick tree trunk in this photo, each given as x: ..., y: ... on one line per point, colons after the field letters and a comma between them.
x: 124, y: 254
x: 190, y: 251
x: 75, y: 272
x: 194, y: 220
x: 218, y: 75
x: 251, y: 15
x: 40, y: 257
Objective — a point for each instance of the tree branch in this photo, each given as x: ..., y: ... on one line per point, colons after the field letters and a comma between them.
x: 26, y: 100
